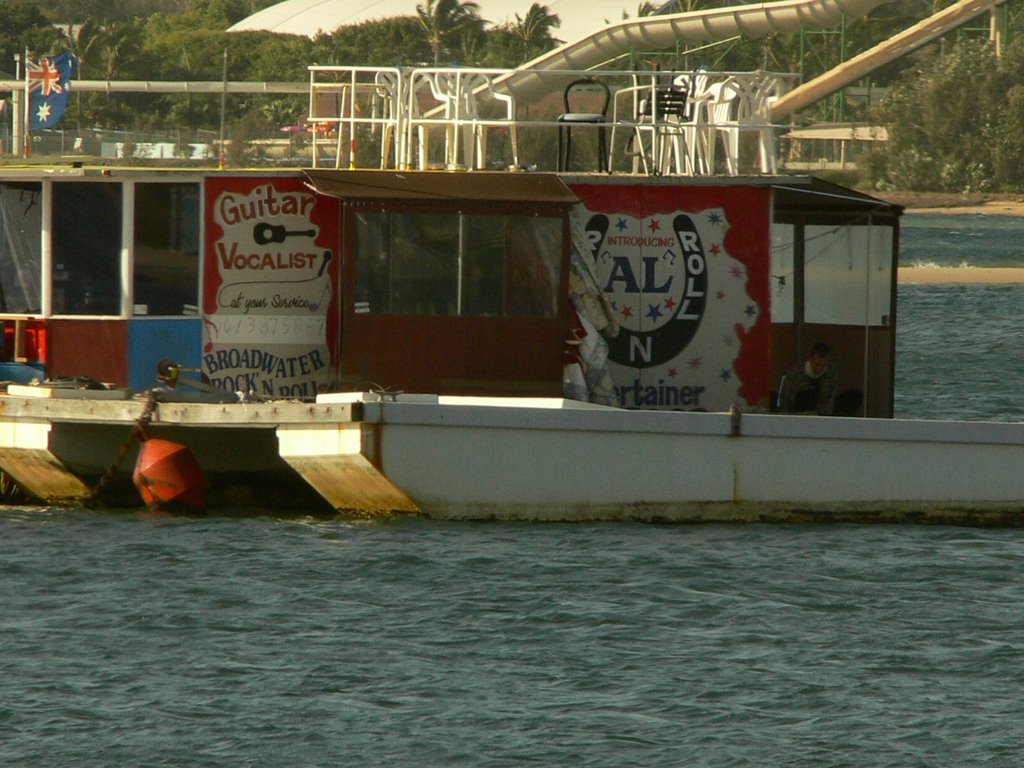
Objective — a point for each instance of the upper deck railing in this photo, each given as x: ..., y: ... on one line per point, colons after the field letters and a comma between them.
x: 671, y: 123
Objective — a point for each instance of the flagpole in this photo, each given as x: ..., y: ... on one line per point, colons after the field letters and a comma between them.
x: 16, y: 120
x: 223, y: 109
x: 28, y: 105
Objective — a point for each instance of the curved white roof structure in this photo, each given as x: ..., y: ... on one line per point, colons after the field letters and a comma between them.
x: 308, y: 17
x: 594, y: 29
x: 603, y: 43
x: 695, y: 27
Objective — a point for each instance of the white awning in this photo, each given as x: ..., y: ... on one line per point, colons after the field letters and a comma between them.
x: 693, y: 28
x: 308, y: 17
x: 594, y: 29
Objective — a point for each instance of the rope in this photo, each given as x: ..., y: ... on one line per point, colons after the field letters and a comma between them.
x: 138, y: 433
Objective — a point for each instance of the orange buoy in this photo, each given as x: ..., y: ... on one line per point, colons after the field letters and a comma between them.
x: 169, y: 478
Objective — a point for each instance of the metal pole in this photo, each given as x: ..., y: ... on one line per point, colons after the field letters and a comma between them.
x: 17, y: 115
x: 223, y: 109
x: 865, y: 376
x: 28, y: 104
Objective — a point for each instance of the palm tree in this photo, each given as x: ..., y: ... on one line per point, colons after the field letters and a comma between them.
x: 534, y: 30
x: 120, y: 42
x: 443, y: 19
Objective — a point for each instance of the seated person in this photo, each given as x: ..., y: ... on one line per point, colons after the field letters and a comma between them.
x: 810, y: 387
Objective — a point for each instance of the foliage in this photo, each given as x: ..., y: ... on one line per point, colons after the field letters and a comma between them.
x: 242, y: 148
x: 535, y: 30
x: 396, y: 41
x: 953, y: 123
x: 23, y: 26
x: 515, y: 43
x: 447, y: 20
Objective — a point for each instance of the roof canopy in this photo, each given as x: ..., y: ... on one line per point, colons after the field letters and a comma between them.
x: 442, y: 185
x: 308, y: 17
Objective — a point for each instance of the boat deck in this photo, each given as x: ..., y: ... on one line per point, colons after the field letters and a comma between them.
x: 684, y: 123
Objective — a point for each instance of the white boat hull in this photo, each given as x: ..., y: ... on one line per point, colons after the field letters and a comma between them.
x: 480, y: 461
x: 529, y: 459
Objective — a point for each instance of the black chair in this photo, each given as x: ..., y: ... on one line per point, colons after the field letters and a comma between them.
x: 672, y: 101
x: 569, y: 118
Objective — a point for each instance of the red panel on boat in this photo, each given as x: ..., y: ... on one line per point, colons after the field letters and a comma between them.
x: 450, y: 355
x: 94, y: 348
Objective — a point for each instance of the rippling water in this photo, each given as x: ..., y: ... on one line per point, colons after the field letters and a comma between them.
x: 959, y: 348
x: 959, y: 352
x: 131, y: 640
x: 953, y: 240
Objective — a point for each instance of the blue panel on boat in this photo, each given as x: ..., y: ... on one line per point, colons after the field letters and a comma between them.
x: 21, y: 373
x: 151, y: 340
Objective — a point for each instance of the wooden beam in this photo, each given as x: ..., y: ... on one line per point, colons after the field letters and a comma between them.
x: 898, y: 45
x: 352, y: 484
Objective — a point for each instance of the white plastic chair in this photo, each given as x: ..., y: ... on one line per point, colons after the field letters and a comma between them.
x: 442, y: 109
x: 453, y: 105
x: 483, y: 84
x: 738, y: 105
x: 387, y: 106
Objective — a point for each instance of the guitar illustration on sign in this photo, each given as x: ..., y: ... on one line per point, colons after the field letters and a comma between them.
x: 264, y: 233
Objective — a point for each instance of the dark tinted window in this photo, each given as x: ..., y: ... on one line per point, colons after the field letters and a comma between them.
x: 86, y: 248
x: 21, y: 224
x: 457, y: 264
x: 166, y: 277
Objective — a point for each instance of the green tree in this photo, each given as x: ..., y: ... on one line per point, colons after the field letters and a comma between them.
x: 119, y: 43
x: 535, y: 30
x: 24, y: 26
x: 445, y: 20
x: 242, y: 149
x: 388, y: 42
x: 944, y: 122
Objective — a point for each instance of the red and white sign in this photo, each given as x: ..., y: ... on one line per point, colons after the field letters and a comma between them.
x: 685, y: 272
x: 269, y: 299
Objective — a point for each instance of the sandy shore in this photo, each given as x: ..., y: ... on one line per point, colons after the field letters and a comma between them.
x: 949, y: 203
x: 961, y: 275
x: 1009, y: 208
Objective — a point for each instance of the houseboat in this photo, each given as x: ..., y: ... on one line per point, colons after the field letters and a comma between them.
x: 478, y: 303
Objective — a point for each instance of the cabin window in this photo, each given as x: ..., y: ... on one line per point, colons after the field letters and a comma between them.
x: 86, y: 248
x: 166, y: 248
x: 21, y: 225
x: 457, y: 264
x: 848, y: 275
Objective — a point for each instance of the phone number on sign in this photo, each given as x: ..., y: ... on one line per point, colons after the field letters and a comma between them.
x: 279, y: 329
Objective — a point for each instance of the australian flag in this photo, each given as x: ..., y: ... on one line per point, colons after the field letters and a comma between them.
x: 48, y: 89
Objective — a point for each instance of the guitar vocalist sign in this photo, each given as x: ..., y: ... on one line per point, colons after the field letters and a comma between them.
x: 268, y: 297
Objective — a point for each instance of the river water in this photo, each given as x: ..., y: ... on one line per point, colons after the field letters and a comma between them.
x: 134, y: 640
x: 251, y: 640
x: 960, y: 348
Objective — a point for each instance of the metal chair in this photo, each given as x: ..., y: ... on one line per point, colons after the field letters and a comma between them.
x: 569, y: 118
x: 671, y: 114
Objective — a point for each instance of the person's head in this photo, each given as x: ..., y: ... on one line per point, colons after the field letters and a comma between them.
x: 818, y: 358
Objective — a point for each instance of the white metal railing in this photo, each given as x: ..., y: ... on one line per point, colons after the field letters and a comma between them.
x: 344, y: 98
x: 669, y: 123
